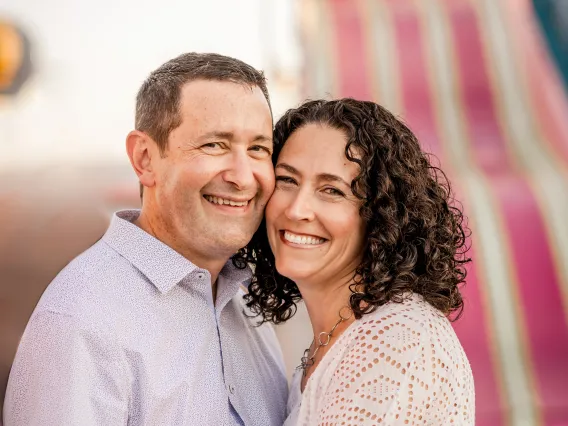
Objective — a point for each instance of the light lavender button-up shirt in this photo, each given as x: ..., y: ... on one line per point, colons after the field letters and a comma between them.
x: 127, y: 334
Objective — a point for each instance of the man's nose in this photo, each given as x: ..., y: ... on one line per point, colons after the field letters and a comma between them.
x: 240, y: 172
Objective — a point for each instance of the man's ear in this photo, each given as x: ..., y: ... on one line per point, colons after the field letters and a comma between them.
x: 140, y: 149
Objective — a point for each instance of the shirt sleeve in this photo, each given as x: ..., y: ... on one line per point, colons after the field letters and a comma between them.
x: 392, y: 374
x: 66, y: 374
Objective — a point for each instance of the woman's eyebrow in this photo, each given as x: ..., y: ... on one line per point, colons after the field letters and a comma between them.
x: 328, y: 177
x: 288, y: 168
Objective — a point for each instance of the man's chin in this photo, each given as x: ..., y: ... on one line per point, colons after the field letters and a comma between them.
x: 233, y: 242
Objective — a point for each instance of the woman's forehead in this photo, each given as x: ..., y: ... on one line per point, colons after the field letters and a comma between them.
x: 318, y: 149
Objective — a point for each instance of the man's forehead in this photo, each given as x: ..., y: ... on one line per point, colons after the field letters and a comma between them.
x: 224, y: 110
x: 197, y: 92
x: 224, y: 104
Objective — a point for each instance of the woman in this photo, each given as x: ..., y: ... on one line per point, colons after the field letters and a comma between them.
x: 361, y: 227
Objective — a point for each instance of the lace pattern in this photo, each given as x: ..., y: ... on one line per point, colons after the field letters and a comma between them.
x: 401, y: 365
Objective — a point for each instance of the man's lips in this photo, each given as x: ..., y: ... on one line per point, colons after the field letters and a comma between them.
x: 228, y: 201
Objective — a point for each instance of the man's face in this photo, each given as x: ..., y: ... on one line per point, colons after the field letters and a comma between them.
x: 216, y: 177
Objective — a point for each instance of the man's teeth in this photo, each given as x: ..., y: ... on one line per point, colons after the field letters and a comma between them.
x: 222, y: 201
x: 302, y: 239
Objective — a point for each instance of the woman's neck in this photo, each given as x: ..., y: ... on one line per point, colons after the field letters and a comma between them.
x: 324, y: 302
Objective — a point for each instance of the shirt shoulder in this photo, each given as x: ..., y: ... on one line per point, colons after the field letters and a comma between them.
x: 87, y: 288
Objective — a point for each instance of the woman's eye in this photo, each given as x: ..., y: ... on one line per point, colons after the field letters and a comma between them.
x: 333, y: 191
x: 285, y: 179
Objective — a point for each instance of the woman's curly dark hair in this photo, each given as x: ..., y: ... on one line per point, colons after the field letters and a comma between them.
x: 415, y: 234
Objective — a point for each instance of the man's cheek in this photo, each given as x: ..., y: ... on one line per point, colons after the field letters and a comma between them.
x: 267, y: 182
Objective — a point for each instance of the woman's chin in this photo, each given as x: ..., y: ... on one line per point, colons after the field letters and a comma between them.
x: 294, y: 270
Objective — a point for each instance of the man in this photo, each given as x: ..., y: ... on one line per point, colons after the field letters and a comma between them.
x: 148, y: 326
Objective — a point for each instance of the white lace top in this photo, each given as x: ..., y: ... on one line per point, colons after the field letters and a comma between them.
x: 401, y: 365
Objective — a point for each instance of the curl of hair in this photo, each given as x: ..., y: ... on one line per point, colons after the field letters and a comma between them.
x: 415, y: 230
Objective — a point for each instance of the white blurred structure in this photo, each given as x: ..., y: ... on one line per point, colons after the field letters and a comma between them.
x: 90, y: 58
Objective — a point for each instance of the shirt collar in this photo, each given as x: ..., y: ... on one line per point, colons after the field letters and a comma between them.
x: 161, y: 264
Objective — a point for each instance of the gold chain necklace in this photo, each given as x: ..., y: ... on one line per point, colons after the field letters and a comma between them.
x: 323, y: 339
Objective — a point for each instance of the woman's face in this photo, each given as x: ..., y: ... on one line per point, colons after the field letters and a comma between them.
x: 313, y: 221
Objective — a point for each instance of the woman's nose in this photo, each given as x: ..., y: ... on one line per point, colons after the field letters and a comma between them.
x: 300, y: 208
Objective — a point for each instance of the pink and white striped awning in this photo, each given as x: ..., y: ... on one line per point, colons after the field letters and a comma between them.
x: 472, y: 79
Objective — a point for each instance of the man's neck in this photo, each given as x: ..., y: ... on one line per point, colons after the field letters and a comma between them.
x: 213, y: 265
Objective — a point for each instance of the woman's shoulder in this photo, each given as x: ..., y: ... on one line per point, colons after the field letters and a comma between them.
x: 411, y: 313
x: 409, y: 342
x: 403, y: 356
x: 406, y: 326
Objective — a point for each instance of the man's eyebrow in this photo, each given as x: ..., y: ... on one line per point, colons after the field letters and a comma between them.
x: 231, y: 136
x: 322, y: 176
x: 219, y: 135
x: 262, y: 138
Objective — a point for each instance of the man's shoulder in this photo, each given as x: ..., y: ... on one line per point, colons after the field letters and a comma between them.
x: 87, y: 282
x: 89, y: 260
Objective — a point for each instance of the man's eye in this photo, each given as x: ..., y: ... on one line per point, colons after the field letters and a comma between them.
x: 260, y: 148
x: 212, y: 145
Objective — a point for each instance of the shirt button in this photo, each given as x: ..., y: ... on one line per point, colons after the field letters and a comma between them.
x: 231, y: 389
x: 200, y: 276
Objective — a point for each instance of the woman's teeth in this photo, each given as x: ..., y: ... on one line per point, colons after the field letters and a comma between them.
x: 222, y: 201
x: 302, y: 239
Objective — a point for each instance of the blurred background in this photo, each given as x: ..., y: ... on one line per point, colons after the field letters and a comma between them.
x: 481, y: 82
